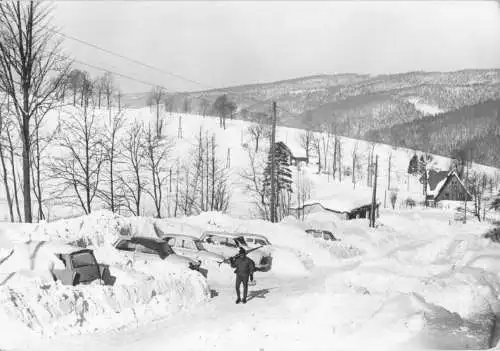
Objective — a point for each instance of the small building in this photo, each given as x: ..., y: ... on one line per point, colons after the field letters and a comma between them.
x: 339, y: 208
x: 444, y: 185
x: 295, y: 156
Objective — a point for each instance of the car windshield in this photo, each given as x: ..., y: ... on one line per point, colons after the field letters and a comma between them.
x: 240, y: 241
x: 82, y: 259
x: 199, y: 245
x: 167, y: 249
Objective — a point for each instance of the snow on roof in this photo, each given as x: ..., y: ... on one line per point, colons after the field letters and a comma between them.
x: 344, y: 200
x: 293, y: 145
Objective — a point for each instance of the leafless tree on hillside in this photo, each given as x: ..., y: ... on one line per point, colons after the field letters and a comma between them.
x: 131, y: 178
x: 2, y: 159
x: 354, y: 163
x: 108, y: 87
x: 13, y: 146
x: 204, y: 105
x: 157, y: 151
x: 253, y: 178
x: 155, y: 97
x: 74, y: 80
x: 31, y: 72
x: 40, y: 144
x: 259, y: 130
x: 306, y: 141
x: 78, y: 168
x: 111, y: 142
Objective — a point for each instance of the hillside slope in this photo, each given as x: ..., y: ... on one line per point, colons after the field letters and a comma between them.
x: 474, y: 127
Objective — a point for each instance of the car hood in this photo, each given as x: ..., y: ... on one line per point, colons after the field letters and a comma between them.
x: 180, y: 260
x: 210, y: 255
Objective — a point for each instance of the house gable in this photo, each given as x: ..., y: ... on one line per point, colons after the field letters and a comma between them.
x: 453, y: 189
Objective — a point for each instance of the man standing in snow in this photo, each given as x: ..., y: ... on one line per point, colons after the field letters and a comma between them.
x: 244, y: 268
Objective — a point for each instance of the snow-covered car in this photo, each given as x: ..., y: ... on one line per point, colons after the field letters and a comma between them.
x: 227, y: 244
x: 192, y: 247
x: 81, y: 267
x: 321, y: 234
x: 254, y: 240
x: 148, y: 250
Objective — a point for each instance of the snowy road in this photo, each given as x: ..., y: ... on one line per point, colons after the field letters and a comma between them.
x: 281, y: 313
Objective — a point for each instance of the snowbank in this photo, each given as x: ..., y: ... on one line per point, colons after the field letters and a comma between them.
x: 291, y: 246
x: 33, y: 305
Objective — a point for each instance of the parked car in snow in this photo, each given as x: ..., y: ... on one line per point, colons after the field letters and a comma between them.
x: 254, y: 240
x: 228, y: 244
x: 81, y: 267
x: 192, y: 247
x: 321, y: 234
x: 148, y: 250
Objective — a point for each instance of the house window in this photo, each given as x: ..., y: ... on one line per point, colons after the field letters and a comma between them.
x: 447, y: 195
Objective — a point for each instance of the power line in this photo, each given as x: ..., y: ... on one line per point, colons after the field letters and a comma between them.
x: 120, y: 74
x: 128, y: 58
x: 97, y: 47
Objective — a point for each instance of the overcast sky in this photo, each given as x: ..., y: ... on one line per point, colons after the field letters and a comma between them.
x: 227, y: 43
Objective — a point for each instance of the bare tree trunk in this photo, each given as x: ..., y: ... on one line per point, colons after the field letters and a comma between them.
x: 213, y: 172
x: 176, y: 190
x: 14, y: 177
x: 6, y: 184
x: 340, y: 160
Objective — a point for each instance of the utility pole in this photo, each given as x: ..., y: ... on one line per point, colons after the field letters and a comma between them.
x: 374, y: 196
x: 273, y: 170
x: 466, y: 184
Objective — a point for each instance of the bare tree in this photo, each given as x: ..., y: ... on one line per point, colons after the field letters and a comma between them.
x: 168, y: 103
x: 111, y: 145
x: 253, y: 178
x: 40, y: 143
x: 256, y: 130
x: 204, y: 105
x: 78, y: 167
x: 31, y: 71
x: 155, y: 97
x: 98, y: 89
x: 74, y: 80
x: 108, y: 87
x: 156, y: 153
x: 477, y: 184
x: 316, y: 143
x: 306, y: 141
x: 224, y: 108
x: 131, y: 179
x: 4, y: 167
x: 354, y: 162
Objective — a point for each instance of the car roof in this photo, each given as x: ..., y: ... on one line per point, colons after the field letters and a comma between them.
x: 255, y: 235
x: 179, y: 236
x: 144, y: 239
x: 229, y: 234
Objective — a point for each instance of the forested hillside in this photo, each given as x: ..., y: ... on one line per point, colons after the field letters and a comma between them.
x: 475, y: 128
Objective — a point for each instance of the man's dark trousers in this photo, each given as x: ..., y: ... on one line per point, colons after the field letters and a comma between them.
x: 242, y: 279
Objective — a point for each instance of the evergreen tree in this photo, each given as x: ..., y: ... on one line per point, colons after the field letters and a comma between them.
x: 283, y: 175
x: 413, y: 165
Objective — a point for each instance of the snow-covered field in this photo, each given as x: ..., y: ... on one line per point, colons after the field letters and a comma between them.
x: 234, y: 144
x: 414, y: 281
x: 419, y: 279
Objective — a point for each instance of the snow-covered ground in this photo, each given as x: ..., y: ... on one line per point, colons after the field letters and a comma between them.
x: 417, y: 280
x: 426, y: 109
x: 233, y: 145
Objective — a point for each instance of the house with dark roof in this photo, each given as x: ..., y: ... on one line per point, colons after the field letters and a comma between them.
x: 295, y: 156
x: 445, y: 185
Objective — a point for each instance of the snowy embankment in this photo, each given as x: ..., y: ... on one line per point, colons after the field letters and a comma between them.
x: 294, y: 252
x: 33, y: 305
x: 424, y: 284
